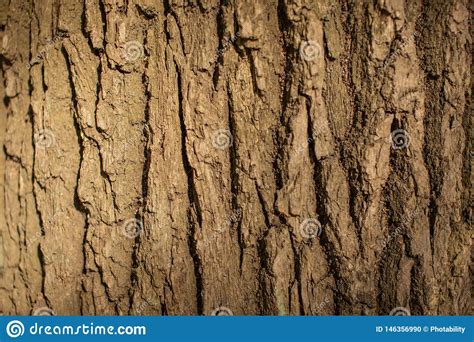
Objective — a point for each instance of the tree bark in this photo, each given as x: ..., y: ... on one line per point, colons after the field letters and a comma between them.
x: 290, y: 157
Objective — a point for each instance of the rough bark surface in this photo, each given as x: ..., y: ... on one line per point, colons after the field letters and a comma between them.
x: 177, y: 157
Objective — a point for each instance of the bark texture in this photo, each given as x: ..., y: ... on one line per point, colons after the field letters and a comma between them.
x: 284, y: 157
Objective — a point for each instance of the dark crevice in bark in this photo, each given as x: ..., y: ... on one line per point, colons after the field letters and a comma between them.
x: 37, y: 209
x: 356, y: 37
x: 434, y: 80
x: 323, y: 217
x: 279, y: 164
x: 30, y: 45
x: 45, y: 87
x: 297, y: 275
x: 264, y: 268
x: 164, y: 309
x: 31, y: 116
x: 38, y: 26
x: 5, y: 154
x: 355, y: 197
x: 263, y: 258
x: 391, y: 250
x: 290, y: 297
x: 56, y: 7
x: 234, y: 178
x: 103, y: 15
x: 79, y: 205
x: 147, y: 133
x: 84, y: 28
x: 263, y: 206
x: 416, y: 292
x: 432, y: 159
x: 253, y: 71
x: 169, y: 10
x: 193, y: 200
x: 297, y: 249
x: 220, y: 48
x: 103, y: 171
x: 145, y: 12
x: 385, y: 252
x: 42, y: 260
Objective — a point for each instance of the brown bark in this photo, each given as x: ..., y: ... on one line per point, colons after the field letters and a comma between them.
x: 270, y: 157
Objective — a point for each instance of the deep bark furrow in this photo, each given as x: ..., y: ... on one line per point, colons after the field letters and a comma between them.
x: 194, y: 210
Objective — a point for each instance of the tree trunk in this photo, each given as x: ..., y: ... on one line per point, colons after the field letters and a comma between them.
x: 291, y: 157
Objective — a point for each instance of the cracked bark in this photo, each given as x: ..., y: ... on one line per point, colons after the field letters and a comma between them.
x: 133, y: 140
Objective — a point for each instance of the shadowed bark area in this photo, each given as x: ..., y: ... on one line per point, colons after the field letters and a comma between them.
x: 267, y: 157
